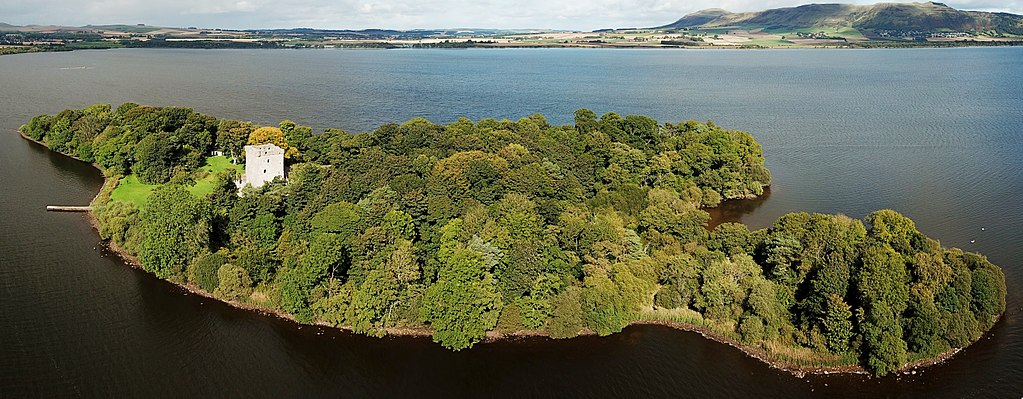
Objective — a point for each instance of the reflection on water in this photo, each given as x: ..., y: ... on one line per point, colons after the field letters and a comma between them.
x: 733, y: 211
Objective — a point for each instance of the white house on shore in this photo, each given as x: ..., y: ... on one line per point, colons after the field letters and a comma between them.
x: 263, y: 163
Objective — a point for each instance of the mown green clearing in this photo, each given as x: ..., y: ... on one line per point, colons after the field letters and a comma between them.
x: 130, y: 189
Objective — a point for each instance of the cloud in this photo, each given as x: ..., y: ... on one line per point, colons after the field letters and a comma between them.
x: 397, y: 14
x: 1015, y: 7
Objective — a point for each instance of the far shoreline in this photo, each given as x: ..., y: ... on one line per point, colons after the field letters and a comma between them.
x: 485, y: 46
x: 757, y: 353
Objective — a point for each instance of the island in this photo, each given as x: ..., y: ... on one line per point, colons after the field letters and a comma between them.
x: 924, y: 24
x: 479, y: 230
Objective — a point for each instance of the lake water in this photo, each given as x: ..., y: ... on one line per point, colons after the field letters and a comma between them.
x: 936, y: 134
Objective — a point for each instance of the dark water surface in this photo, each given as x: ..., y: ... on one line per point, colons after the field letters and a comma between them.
x: 935, y: 134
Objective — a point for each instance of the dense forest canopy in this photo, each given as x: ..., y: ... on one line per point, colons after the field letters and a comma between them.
x: 505, y: 225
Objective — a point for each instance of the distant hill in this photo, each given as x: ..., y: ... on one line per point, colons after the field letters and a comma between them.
x: 902, y: 17
x: 123, y: 28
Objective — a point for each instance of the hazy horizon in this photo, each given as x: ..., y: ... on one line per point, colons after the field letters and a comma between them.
x: 398, y: 15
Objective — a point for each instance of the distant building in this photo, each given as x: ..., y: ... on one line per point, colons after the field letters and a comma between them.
x: 263, y: 163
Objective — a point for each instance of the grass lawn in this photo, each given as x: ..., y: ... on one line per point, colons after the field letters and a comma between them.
x: 130, y: 189
x: 213, y: 165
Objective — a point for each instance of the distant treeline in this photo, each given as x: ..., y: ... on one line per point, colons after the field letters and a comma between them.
x: 680, y: 43
x: 456, y: 44
x: 520, y: 225
x: 203, y: 44
x: 19, y: 50
x: 934, y: 44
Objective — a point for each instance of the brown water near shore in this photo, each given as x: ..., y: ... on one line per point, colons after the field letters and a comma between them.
x: 733, y: 211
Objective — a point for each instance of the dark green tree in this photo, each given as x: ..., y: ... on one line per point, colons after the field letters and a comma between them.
x: 175, y: 226
x: 203, y: 270
x: 463, y: 304
x: 837, y: 324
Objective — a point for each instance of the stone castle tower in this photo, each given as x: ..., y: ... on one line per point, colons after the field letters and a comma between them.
x: 263, y: 163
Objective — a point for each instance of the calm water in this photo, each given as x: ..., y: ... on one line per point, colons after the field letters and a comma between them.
x: 934, y: 134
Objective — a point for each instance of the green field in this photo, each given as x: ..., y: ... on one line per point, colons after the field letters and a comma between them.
x: 847, y: 32
x: 130, y: 189
x: 768, y: 42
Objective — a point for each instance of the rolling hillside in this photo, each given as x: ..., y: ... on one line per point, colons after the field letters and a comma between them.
x: 871, y: 20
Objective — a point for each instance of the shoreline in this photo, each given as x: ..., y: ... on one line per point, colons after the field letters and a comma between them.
x: 372, y: 45
x: 757, y: 353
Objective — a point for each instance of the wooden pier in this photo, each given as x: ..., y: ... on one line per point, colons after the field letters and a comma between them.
x: 59, y: 208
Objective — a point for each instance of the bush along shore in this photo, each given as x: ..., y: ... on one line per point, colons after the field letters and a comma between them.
x: 479, y: 230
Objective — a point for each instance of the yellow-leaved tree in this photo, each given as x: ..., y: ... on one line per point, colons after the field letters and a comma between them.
x: 269, y: 134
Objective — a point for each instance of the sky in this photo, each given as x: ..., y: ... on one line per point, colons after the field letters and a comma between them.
x: 397, y: 14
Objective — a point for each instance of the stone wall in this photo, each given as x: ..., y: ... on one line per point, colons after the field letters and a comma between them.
x: 263, y: 163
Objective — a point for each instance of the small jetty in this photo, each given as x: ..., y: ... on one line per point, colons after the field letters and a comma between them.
x: 60, y: 208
